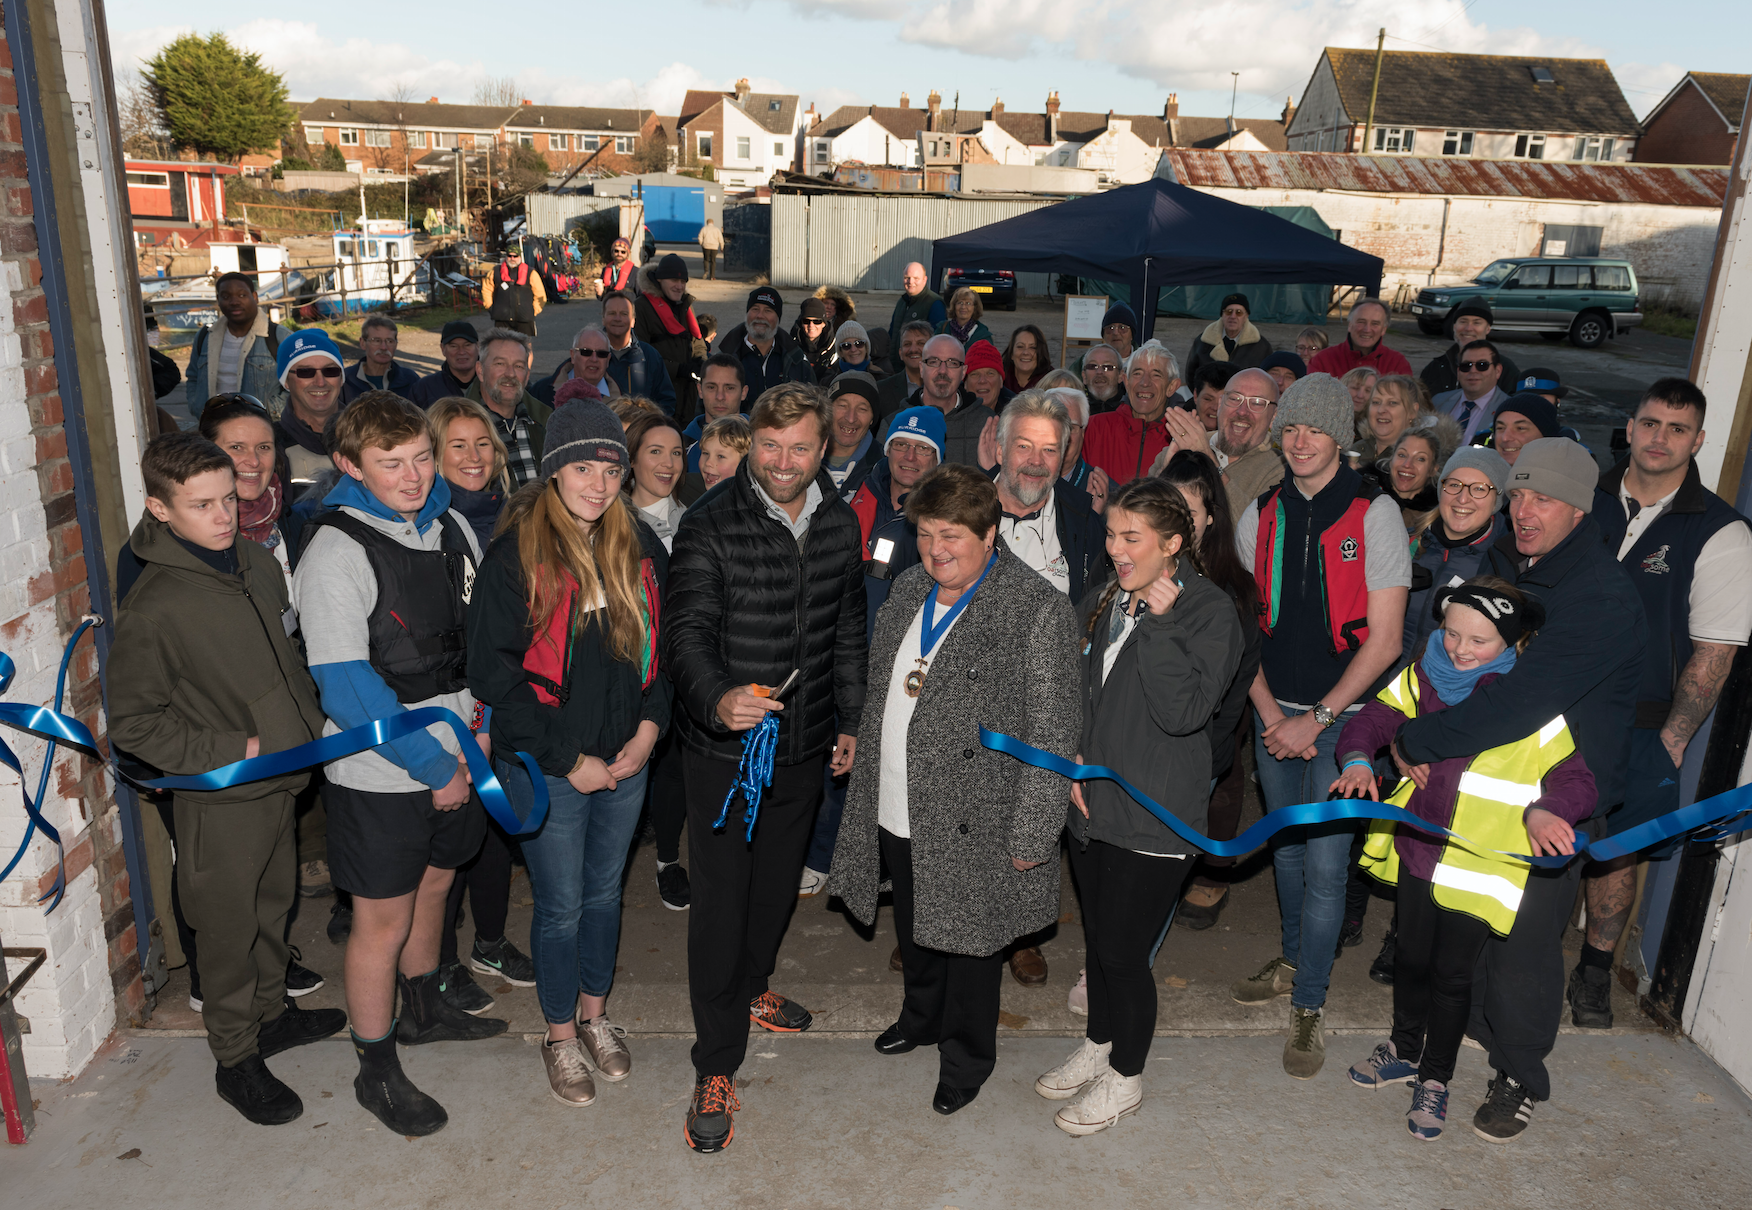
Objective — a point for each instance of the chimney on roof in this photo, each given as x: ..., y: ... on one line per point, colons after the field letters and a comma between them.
x: 743, y: 88
x: 1171, y: 110
x: 527, y: 101
x: 934, y: 106
x: 997, y: 107
x: 905, y: 101
x: 1052, y: 115
x: 429, y: 101
x: 1288, y: 113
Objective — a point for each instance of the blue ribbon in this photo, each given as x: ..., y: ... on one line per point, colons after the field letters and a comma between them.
x: 754, y: 774
x: 57, y: 728
x: 1721, y: 810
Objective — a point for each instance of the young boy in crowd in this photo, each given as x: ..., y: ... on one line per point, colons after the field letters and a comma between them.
x: 382, y: 589
x: 722, y: 447
x: 203, y: 673
x: 723, y: 392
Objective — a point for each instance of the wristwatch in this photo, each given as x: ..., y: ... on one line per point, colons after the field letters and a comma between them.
x: 1323, y: 716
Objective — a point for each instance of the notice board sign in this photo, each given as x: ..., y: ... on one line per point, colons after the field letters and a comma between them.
x: 1083, y: 313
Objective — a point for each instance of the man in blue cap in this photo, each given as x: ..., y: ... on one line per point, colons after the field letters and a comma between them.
x: 310, y: 370
x: 912, y: 450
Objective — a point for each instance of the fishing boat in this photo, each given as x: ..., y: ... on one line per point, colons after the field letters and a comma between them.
x: 372, y: 261
x: 180, y: 308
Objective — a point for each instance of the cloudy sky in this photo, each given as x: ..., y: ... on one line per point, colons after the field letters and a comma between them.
x: 1098, y: 54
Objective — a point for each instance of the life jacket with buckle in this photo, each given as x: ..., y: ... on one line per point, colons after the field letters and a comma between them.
x: 1495, y: 791
x: 513, y: 299
x: 548, y: 660
x: 1344, y: 586
x: 417, y: 627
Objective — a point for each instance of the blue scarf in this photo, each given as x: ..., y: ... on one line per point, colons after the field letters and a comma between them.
x: 1454, y: 685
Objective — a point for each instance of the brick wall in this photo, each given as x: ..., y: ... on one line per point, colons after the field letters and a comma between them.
x: 93, y: 969
x: 1688, y: 130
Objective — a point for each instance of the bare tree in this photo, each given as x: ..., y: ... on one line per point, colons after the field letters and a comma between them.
x: 143, y: 133
x: 498, y: 91
x: 400, y: 97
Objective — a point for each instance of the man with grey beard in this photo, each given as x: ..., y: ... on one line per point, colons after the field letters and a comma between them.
x: 1241, y: 445
x: 767, y: 354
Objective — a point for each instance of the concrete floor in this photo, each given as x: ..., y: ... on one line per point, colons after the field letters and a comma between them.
x: 1635, y: 1123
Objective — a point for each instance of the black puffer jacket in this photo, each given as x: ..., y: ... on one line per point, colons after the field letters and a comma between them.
x: 747, y: 603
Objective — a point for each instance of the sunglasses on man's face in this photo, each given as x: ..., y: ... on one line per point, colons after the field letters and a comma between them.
x: 1471, y: 366
x: 603, y: 353
x: 308, y: 372
x: 854, y: 344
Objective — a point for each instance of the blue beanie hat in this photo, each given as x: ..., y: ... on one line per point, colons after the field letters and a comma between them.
x: 923, y: 423
x: 307, y: 342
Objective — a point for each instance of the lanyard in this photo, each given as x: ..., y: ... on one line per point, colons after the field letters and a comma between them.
x: 931, y: 632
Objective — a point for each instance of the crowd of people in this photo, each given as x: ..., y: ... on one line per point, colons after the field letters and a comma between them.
x: 890, y: 537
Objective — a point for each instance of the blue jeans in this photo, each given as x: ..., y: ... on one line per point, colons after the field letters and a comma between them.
x: 575, y: 865
x: 1311, y: 862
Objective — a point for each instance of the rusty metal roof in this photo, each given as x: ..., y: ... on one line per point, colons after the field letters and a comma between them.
x: 1554, y: 180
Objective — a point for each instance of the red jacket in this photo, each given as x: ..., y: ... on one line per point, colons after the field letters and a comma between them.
x: 1341, y: 359
x: 1122, y: 445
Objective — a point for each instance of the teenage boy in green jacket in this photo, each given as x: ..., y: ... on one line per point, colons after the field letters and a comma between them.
x: 203, y: 673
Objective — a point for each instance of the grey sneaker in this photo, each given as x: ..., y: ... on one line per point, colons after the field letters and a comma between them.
x: 568, y: 1072
x: 1069, y: 1078
x: 1107, y: 1100
x: 607, y: 1047
x: 1276, y: 978
x: 1078, y: 999
x: 1305, y: 1052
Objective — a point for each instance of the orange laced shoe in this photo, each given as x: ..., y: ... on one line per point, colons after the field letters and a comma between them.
x: 710, y: 1125
x: 769, y: 1010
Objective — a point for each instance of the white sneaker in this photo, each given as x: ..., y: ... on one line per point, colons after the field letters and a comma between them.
x: 1078, y: 999
x: 1107, y: 1100
x: 1067, y: 1079
x: 813, y: 883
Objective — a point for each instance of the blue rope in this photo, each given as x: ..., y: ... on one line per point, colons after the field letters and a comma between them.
x: 754, y: 774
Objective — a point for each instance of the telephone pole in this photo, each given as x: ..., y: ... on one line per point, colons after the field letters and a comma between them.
x: 1374, y: 88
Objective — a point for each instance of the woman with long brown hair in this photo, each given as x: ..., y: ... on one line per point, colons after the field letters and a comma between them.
x: 1026, y: 358
x: 562, y: 642
x: 1163, y: 645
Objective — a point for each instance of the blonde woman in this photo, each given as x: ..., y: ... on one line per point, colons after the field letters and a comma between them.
x: 472, y: 459
x: 1397, y: 402
x: 562, y: 642
x: 966, y: 315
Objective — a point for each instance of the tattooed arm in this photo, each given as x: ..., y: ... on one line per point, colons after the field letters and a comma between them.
x: 1699, y: 686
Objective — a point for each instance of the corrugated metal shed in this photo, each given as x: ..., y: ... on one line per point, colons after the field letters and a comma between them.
x: 1552, y: 180
x: 865, y: 242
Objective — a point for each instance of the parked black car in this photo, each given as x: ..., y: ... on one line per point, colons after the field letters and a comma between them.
x: 996, y: 287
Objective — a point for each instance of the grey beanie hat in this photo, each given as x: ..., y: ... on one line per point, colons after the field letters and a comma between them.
x: 583, y: 430
x: 1559, y: 468
x: 1486, y: 461
x: 1321, y: 401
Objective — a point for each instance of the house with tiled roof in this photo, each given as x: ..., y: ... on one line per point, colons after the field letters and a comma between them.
x: 1121, y: 148
x: 745, y: 135
x: 1698, y: 122
x: 379, y: 137
x: 1467, y: 106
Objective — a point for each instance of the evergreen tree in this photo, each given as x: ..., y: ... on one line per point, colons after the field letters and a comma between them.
x: 216, y: 99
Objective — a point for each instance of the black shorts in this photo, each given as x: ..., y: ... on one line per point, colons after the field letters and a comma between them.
x: 379, y: 845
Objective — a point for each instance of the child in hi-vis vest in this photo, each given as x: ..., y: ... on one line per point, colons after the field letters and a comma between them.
x: 1522, y: 797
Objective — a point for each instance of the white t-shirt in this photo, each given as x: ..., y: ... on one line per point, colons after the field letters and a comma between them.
x: 1035, y: 542
x: 230, y: 360
x: 1721, y: 584
x: 897, y: 712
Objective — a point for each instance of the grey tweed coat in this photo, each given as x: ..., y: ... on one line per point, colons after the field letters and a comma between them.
x: 1011, y: 664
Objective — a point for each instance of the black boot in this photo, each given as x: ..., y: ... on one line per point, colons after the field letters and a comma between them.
x: 1381, y: 970
x: 1590, y: 997
x: 384, y: 1089
x: 255, y: 1092
x: 427, y: 1017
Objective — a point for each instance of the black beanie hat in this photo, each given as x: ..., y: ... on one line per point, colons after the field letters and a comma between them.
x: 583, y: 430
x: 1536, y: 408
x: 670, y: 266
x: 813, y: 308
x: 767, y: 295
x: 1239, y: 300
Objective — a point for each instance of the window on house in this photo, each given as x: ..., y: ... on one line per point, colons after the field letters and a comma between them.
x: 773, y: 106
x: 445, y: 139
x: 821, y: 151
x: 527, y: 139
x: 349, y: 138
x: 416, y: 138
x: 556, y: 142
x: 623, y: 143
x: 1541, y: 75
x: 1592, y: 147
x: 589, y: 142
x: 743, y: 151
x: 377, y: 138
x: 1530, y: 147
x: 483, y: 141
x: 149, y: 180
x: 705, y: 146
x: 313, y: 134
x: 1457, y: 142
x: 1394, y: 140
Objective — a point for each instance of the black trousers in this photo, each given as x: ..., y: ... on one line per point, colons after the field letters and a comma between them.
x: 487, y: 879
x: 951, y: 999
x: 525, y: 326
x: 667, y: 798
x: 1224, y: 821
x: 1517, y: 986
x: 1126, y: 898
x: 743, y: 896
x: 1432, y: 979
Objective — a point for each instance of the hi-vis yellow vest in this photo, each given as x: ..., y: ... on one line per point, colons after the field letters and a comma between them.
x: 1496, y: 788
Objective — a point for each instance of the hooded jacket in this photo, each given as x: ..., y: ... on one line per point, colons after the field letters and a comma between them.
x: 1150, y: 718
x: 682, y: 352
x: 1245, y: 352
x: 748, y: 602
x: 1585, y: 665
x: 203, y: 660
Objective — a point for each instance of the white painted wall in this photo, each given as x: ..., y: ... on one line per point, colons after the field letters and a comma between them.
x: 69, y: 1001
x: 762, y: 161
x: 867, y: 141
x: 1120, y: 155
x: 1716, y: 1007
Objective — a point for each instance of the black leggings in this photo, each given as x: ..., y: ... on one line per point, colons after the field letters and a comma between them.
x: 487, y: 879
x: 1125, y: 897
x: 1432, y: 979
